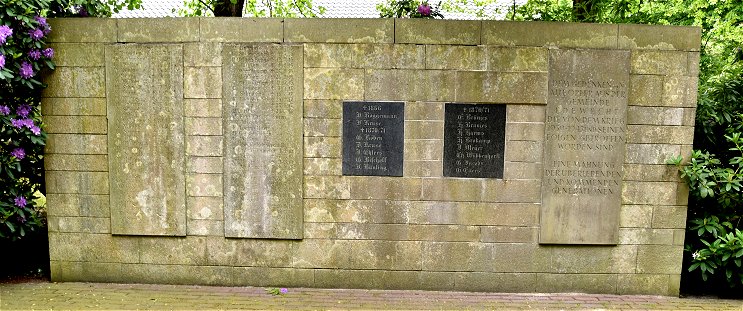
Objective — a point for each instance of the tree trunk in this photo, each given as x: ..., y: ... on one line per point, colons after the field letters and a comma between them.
x: 582, y: 10
x: 226, y: 8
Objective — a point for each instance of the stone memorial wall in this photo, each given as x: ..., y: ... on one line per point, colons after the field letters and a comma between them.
x: 370, y: 153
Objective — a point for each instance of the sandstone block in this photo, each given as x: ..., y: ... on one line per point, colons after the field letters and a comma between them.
x: 76, y: 162
x: 77, y: 205
x: 341, y: 30
x: 77, y: 182
x: 652, y: 193
x: 501, y: 87
x: 158, y: 29
x: 76, y: 82
x: 73, y: 106
x: 202, y: 82
x: 78, y: 54
x: 517, y: 59
x: 204, y: 108
x: 409, y: 85
x: 76, y: 124
x: 82, y: 30
x: 422, y: 31
x: 332, y: 83
x: 201, y: 54
x: 450, y: 57
x: 237, y: 29
x: 549, y: 34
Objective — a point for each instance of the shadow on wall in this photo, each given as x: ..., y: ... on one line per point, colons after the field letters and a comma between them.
x: 27, y: 258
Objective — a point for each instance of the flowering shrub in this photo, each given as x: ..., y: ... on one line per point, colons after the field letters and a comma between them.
x: 23, y: 54
x: 408, y: 8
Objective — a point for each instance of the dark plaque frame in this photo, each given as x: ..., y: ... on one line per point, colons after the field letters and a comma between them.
x: 373, y: 134
x: 474, y: 140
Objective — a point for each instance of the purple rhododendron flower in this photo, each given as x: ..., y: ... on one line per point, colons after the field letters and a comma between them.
x: 424, y: 9
x: 20, y: 201
x: 18, y: 153
x: 34, y: 54
x: 17, y: 123
x: 36, y: 130
x: 48, y: 52
x: 4, y: 110
x: 2, y: 61
x: 5, y: 32
x: 41, y: 20
x: 28, y: 123
x: 36, y: 34
x: 26, y: 70
x: 23, y: 111
x: 283, y: 290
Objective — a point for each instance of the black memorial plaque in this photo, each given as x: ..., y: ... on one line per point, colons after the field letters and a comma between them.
x: 373, y: 138
x: 474, y: 139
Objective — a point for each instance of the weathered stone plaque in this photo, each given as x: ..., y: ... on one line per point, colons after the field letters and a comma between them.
x: 373, y: 135
x: 584, y: 143
x: 474, y: 139
x: 144, y: 87
x: 262, y: 115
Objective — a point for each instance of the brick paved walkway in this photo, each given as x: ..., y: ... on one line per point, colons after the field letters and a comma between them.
x: 104, y: 296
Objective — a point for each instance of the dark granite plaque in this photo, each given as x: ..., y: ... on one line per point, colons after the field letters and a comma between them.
x: 373, y: 138
x: 474, y: 139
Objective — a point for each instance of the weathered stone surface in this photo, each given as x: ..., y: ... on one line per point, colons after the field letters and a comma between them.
x: 576, y: 283
x: 504, y: 234
x: 146, y: 161
x: 526, y: 113
x: 471, y: 213
x: 669, y: 217
x: 379, y: 56
x: 654, y: 37
x: 79, y: 224
x: 323, y: 108
x: 652, y: 193
x: 158, y: 29
x: 357, y: 211
x: 661, y: 259
x: 651, y: 153
x: 645, y: 90
x: 238, y: 29
x: 501, y: 87
x: 77, y: 30
x: 450, y: 57
x: 75, y: 162
x: 322, y: 147
x: 529, y: 131
x: 204, y: 146
x: 333, y: 83
x: 190, y: 250
x: 202, y: 108
x: 658, y: 134
x: 250, y: 252
x: 204, y: 185
x: 340, y: 30
x: 332, y: 278
x: 657, y: 115
x: 643, y: 284
x: 273, y: 277
x: 77, y: 182
x: 461, y: 256
x: 517, y: 59
x: 646, y: 236
x: 76, y: 124
x: 522, y: 170
x: 636, y: 216
x: 510, y: 191
x: 263, y: 141
x: 597, y: 259
x: 93, y: 247
x: 524, y: 151
x: 564, y: 35
x: 424, y: 130
x: 323, y: 166
x: 520, y: 257
x: 78, y: 54
x: 77, y: 205
x: 76, y: 82
x: 584, y: 143
x: 73, y: 106
x: 495, y: 282
x: 409, y: 85
x: 434, y: 168
x: 451, y: 189
x: 207, y: 165
x: 659, y: 63
x: 322, y: 127
x: 423, y: 150
x: 423, y: 31
x: 385, y: 188
x: 205, y: 208
x: 391, y: 232
x: 424, y: 111
x: 202, y: 82
x: 203, y: 126
x: 200, y: 54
